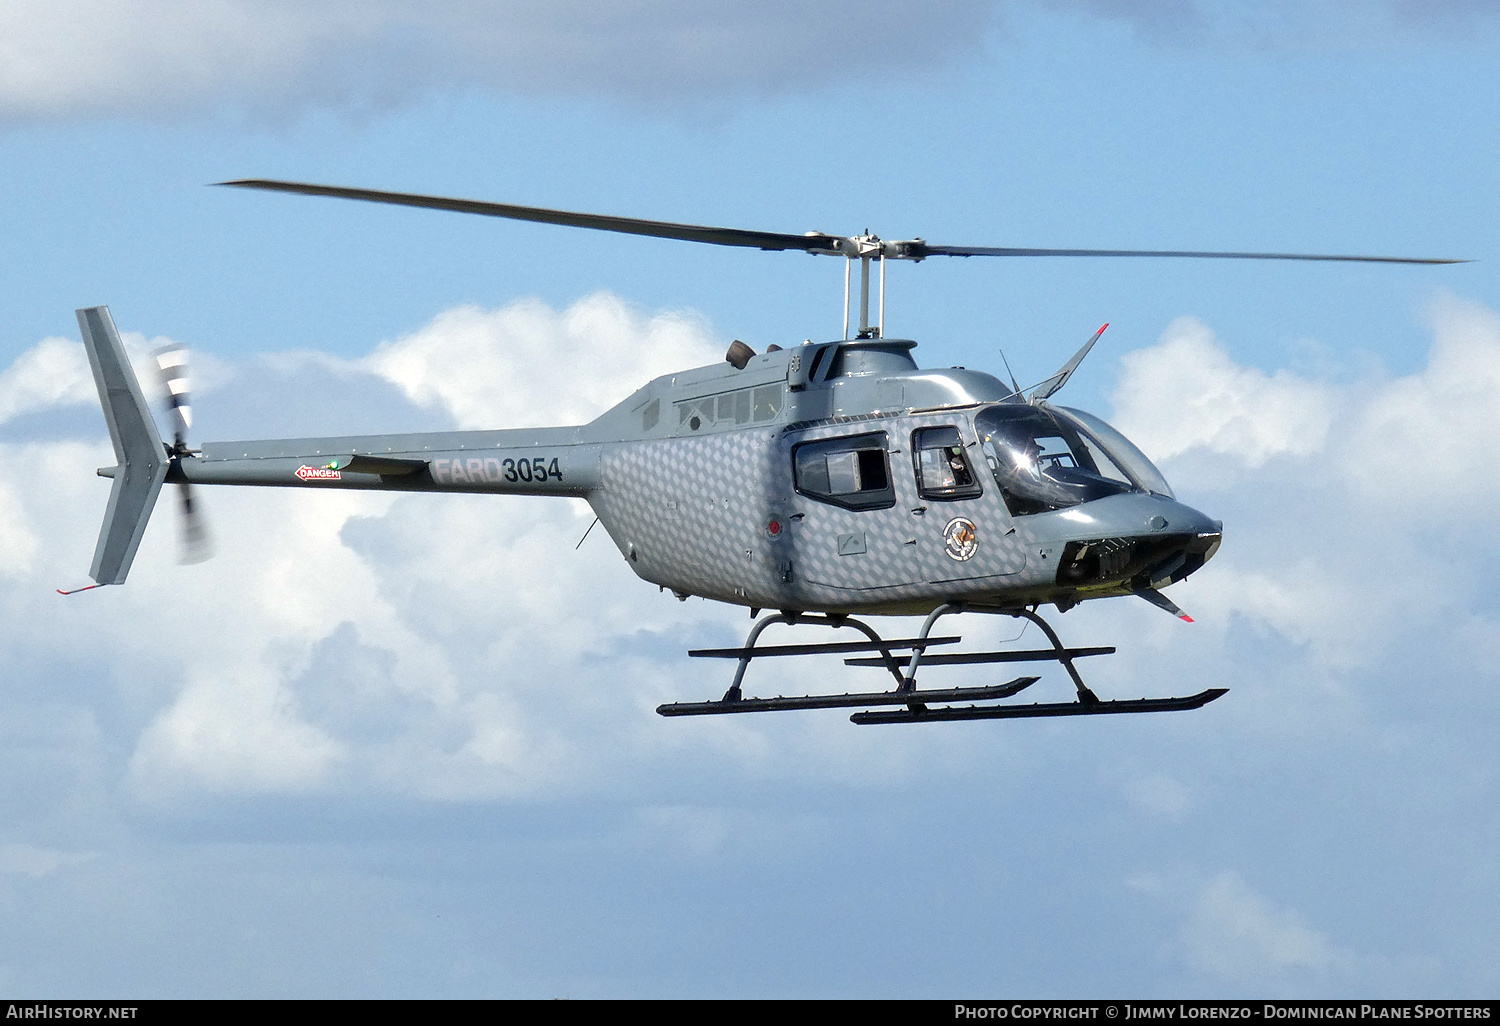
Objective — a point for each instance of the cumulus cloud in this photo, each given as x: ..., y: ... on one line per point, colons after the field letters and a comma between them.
x: 1236, y: 934
x: 36, y: 862
x: 54, y: 372
x: 1426, y: 441
x: 86, y: 57
x: 439, y: 651
x: 1160, y: 795
x: 456, y: 647
x: 499, y: 368
x: 1186, y: 393
x: 442, y: 647
x: 1337, y: 485
x: 1423, y: 438
x: 1297, y: 24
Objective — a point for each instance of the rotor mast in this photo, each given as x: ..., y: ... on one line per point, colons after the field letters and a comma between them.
x: 867, y: 249
x: 864, y: 248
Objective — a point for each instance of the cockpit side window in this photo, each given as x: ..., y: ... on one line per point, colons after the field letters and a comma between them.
x: 943, y: 470
x: 851, y: 472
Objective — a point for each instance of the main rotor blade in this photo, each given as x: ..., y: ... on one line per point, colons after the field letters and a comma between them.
x: 919, y: 250
x: 812, y: 242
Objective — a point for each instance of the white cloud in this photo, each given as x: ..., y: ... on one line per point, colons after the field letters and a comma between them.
x: 54, y: 372
x: 1186, y: 393
x: 443, y: 647
x: 18, y: 542
x: 456, y: 647
x: 437, y: 651
x: 1426, y: 443
x: 86, y: 57
x: 1236, y: 935
x: 234, y: 731
x: 1297, y: 24
x: 527, y: 365
x: 37, y: 862
x: 1344, y: 560
x: 1160, y: 795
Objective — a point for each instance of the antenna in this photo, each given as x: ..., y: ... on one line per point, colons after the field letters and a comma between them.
x: 1013, y: 382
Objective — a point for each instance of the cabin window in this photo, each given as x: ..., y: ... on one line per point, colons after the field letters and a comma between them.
x: 850, y: 472
x: 744, y: 406
x: 734, y: 407
x: 694, y: 413
x: 767, y: 402
x: 943, y: 469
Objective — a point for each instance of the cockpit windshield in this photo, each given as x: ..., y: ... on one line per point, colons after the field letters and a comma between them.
x: 1122, y: 450
x: 1045, y: 459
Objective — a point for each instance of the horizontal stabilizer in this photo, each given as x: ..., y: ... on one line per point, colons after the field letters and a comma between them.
x: 138, y: 449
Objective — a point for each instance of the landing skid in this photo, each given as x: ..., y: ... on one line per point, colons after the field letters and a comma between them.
x: 1007, y: 712
x: 851, y: 701
x: 921, y: 706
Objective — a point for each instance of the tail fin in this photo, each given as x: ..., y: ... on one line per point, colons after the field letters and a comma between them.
x: 139, y: 451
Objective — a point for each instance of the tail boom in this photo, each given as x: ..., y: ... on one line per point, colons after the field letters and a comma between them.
x: 546, y: 461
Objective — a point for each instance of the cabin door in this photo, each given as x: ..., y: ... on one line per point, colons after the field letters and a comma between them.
x: 959, y: 529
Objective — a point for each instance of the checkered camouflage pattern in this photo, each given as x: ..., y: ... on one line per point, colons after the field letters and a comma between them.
x: 694, y: 514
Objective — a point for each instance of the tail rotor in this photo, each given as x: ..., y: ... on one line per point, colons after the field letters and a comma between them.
x: 195, y: 545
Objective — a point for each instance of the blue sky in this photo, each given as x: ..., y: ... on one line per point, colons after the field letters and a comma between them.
x: 405, y: 746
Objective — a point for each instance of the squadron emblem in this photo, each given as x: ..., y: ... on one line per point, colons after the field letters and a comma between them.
x: 961, y: 539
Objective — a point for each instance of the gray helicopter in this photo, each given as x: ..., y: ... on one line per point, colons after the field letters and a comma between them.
x: 824, y: 482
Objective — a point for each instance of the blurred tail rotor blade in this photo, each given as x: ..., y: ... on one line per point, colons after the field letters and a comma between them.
x: 172, y: 362
x: 196, y: 545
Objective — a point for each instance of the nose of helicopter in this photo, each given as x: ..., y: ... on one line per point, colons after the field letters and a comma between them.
x: 1196, y: 537
x: 1143, y: 539
x: 1172, y: 517
x: 1133, y: 515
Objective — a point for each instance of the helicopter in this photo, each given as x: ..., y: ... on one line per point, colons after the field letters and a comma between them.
x: 817, y: 484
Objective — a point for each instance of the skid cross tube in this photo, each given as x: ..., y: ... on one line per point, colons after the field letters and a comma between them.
x: 829, y: 648
x: 1059, y: 652
x: 1033, y: 655
x: 1085, y: 696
